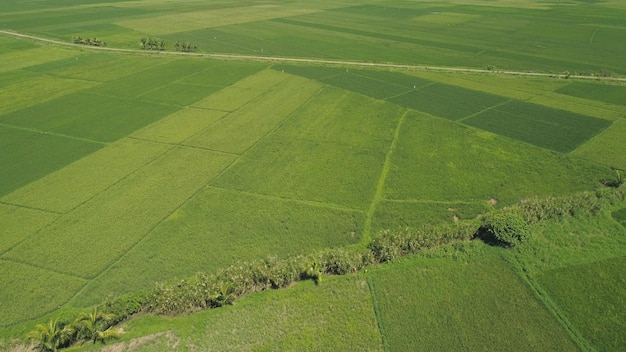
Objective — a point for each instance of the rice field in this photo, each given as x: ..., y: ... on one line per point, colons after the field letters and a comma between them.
x: 120, y: 170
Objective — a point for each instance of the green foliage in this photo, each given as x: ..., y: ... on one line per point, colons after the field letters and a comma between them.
x: 120, y: 308
x: 393, y: 244
x: 506, y: 229
x: 94, y: 326
x: 537, y: 209
x: 52, y: 336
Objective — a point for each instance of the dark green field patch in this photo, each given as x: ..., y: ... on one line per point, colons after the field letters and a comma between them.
x: 620, y: 216
x: 366, y: 86
x: 99, y: 67
x: 318, y: 73
x: 27, y: 156
x: 217, y: 228
x: 612, y: 94
x: 99, y: 118
x: 447, y: 101
x: 558, y: 130
x: 592, y: 297
x: 146, y: 81
x: 442, y: 305
x: 223, y: 74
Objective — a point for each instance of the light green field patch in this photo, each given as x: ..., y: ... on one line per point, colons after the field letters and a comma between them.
x: 438, y: 160
x: 25, y: 58
x: 80, y: 181
x: 17, y: 223
x: 217, y: 228
x: 337, y: 316
x: 188, y: 21
x: 243, y: 92
x: 446, y: 18
x: 32, y: 292
x: 334, y: 174
x: 88, y: 239
x: 243, y: 128
x: 442, y: 305
x: 608, y: 147
x: 179, y: 126
x: 30, y: 88
x: 397, y: 215
x: 593, y: 297
x: 344, y: 118
x: 582, y: 106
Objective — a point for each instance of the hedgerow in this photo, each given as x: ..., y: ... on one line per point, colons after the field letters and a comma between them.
x: 508, y: 226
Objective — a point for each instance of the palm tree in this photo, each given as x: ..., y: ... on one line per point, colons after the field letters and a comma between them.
x: 314, y: 271
x: 51, y: 336
x: 95, y: 326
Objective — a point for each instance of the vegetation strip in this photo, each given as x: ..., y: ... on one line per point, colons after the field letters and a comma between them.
x: 327, y: 62
x: 205, y: 291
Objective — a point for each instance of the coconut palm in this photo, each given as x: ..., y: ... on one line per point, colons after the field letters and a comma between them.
x: 51, y: 336
x: 95, y: 326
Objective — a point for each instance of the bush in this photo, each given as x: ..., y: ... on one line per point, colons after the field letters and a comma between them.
x: 390, y: 245
x: 506, y: 229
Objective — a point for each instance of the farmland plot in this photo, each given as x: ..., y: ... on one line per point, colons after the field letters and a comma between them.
x: 592, y: 297
x: 28, y: 155
x: 122, y: 215
x: 558, y: 130
x: 219, y: 227
x: 429, y: 304
x: 439, y: 160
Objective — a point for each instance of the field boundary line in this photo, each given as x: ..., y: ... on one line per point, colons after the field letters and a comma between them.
x: 30, y: 208
x: 380, y: 187
x: 290, y: 200
x: 278, y: 59
x: 379, y: 323
x: 429, y: 201
x: 183, y: 146
x: 28, y: 129
x: 547, y: 302
x: 33, y: 265
x: 482, y: 111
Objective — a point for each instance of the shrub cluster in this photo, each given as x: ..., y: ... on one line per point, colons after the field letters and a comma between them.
x: 88, y: 41
x: 504, y: 228
x: 152, y: 44
x: 204, y: 291
x: 535, y: 209
x: 185, y: 47
x: 390, y: 245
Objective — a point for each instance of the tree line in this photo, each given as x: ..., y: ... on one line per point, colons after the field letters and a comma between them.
x: 159, y: 44
x: 88, y: 41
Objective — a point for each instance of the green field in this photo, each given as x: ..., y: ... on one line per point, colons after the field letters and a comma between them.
x: 123, y: 168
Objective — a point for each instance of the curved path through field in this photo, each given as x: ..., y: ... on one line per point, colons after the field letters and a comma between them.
x: 313, y: 61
